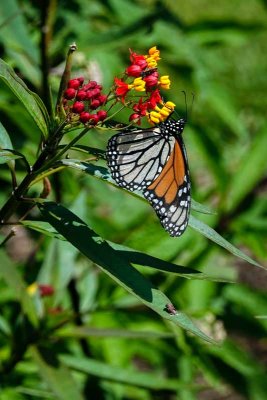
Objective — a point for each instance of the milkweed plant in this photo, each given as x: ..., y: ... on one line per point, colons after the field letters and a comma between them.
x: 82, y: 105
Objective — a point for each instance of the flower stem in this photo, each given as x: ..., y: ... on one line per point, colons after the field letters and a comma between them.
x: 40, y: 164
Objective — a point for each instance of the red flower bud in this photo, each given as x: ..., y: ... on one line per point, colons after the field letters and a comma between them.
x: 102, y: 99
x: 141, y: 62
x: 94, y: 119
x: 136, y: 118
x: 46, y: 290
x: 78, y: 107
x: 85, y: 117
x: 134, y: 70
x: 69, y: 93
x: 74, y: 83
x: 95, y: 104
x: 151, y: 81
x: 102, y: 114
x: 92, y: 93
x: 81, y: 95
x: 90, y: 85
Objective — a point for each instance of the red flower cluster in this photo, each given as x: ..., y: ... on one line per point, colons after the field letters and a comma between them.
x: 143, y: 69
x: 45, y: 290
x: 85, y: 98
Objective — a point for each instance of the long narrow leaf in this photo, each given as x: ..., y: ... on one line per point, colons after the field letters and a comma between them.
x: 118, y: 268
x: 26, y: 97
x: 123, y: 375
x: 5, y: 143
x: 57, y: 376
x: 103, y: 173
x: 215, y: 237
x: 132, y: 255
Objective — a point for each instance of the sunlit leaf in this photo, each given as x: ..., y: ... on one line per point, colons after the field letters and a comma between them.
x: 133, y: 256
x: 6, y: 156
x: 123, y: 375
x: 211, y: 234
x: 250, y: 171
x: 104, y: 174
x: 117, y: 267
x: 27, y: 98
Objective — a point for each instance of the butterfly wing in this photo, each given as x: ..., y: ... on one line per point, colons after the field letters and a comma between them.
x: 155, y: 162
x: 136, y: 158
x: 169, y: 193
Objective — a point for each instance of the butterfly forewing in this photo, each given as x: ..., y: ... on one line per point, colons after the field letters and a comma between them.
x: 155, y: 162
x: 136, y: 158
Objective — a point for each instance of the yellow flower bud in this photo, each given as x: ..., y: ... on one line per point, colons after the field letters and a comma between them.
x: 139, y: 84
x: 151, y: 62
x: 165, y: 112
x: 154, y: 52
x: 170, y: 105
x: 154, y: 117
x: 32, y: 289
x: 165, y: 82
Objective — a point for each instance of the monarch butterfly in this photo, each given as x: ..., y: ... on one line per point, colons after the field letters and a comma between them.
x: 154, y: 161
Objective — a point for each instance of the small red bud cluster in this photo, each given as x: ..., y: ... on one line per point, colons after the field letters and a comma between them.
x: 85, y: 98
x: 46, y: 290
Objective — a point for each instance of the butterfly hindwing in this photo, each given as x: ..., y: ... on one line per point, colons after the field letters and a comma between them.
x: 169, y: 194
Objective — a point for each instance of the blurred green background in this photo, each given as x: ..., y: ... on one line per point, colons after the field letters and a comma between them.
x: 216, y: 50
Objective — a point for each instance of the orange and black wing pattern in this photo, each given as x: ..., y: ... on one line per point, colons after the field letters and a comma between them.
x: 154, y: 161
x: 169, y: 194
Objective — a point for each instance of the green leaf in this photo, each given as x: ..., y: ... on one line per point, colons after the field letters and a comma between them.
x: 18, y: 42
x: 6, y: 156
x: 57, y: 376
x: 11, y: 394
x: 104, y: 174
x: 132, y: 255
x: 238, y: 359
x: 251, y: 302
x: 43, y: 227
x: 127, y: 376
x: 211, y: 234
x: 87, y: 149
x: 85, y: 332
x: 112, y: 263
x: 27, y: 98
x: 251, y: 170
x: 13, y: 279
x: 5, y: 143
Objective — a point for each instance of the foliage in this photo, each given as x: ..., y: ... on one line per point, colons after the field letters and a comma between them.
x: 66, y: 329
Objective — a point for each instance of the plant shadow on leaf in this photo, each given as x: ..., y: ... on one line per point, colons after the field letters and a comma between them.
x: 117, y: 267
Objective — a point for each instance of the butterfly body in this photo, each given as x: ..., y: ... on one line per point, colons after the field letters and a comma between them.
x: 154, y: 162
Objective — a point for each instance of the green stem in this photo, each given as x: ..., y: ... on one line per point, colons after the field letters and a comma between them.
x: 65, y: 148
x: 13, y: 202
x: 11, y: 234
x: 48, y: 14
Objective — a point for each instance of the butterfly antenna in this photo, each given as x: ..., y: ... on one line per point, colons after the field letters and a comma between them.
x: 192, y: 103
x: 186, y: 108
